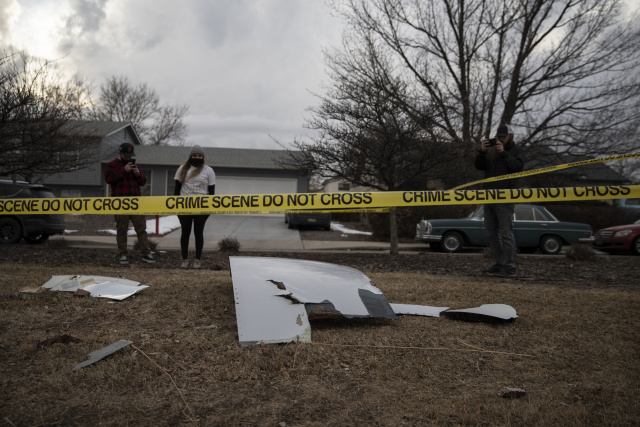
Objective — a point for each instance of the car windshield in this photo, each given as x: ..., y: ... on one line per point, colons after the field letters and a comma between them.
x: 477, y: 214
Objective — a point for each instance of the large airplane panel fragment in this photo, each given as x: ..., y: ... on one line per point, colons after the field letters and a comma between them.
x: 275, y: 297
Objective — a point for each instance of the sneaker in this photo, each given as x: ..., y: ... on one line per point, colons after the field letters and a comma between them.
x: 124, y: 260
x: 185, y: 264
x: 196, y: 264
x: 149, y: 258
x: 506, y: 273
x: 493, y: 270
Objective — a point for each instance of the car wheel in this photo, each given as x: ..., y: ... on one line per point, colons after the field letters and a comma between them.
x: 37, y: 239
x: 451, y: 242
x: 550, y: 245
x: 635, y: 246
x: 10, y: 230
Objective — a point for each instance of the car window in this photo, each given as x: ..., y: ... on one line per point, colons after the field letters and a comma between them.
x: 477, y: 214
x: 541, y: 215
x: 524, y: 213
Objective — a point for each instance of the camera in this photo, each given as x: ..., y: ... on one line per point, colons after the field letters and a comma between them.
x: 492, y: 142
x: 132, y: 161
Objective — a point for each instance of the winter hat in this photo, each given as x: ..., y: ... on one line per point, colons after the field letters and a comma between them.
x: 196, y: 149
x: 504, y: 130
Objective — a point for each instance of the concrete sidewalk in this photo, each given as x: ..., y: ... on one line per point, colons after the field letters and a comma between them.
x: 172, y: 242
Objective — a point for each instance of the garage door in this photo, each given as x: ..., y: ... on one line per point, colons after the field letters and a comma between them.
x: 253, y: 185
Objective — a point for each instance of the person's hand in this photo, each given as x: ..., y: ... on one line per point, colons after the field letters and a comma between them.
x: 484, y: 144
x: 499, y: 146
x: 135, y: 170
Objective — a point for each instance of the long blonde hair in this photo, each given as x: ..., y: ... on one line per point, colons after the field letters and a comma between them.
x: 185, y: 168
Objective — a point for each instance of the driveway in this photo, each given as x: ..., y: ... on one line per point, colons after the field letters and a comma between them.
x: 254, y: 232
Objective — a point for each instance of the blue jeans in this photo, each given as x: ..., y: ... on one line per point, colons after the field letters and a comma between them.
x: 498, y: 224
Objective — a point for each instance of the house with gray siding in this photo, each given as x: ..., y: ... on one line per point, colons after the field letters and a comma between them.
x: 238, y: 170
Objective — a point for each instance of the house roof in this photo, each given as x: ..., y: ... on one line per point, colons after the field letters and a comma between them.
x: 215, y: 156
x: 541, y: 157
x: 100, y: 129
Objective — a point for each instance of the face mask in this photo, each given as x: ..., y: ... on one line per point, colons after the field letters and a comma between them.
x: 196, y: 162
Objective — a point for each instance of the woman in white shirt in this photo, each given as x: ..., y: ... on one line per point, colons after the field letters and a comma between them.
x: 193, y: 178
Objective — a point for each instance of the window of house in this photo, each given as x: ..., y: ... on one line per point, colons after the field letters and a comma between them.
x: 146, y: 189
x: 171, y: 182
x: 344, y: 186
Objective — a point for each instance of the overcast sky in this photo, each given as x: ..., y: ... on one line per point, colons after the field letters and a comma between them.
x: 245, y: 68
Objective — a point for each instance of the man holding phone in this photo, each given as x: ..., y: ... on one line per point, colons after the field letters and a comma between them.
x: 496, y: 157
x: 125, y: 179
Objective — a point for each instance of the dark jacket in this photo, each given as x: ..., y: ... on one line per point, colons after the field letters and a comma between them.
x: 511, y: 160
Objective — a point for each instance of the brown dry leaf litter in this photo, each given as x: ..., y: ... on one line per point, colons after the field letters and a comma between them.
x: 574, y: 349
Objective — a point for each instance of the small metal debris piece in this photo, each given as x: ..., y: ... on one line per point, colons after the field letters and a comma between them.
x: 116, y: 288
x: 484, y: 313
x: 102, y: 353
x: 418, y: 310
x: 512, y: 393
x: 73, y: 282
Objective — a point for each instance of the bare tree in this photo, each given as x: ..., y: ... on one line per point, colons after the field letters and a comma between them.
x: 122, y: 101
x: 564, y: 72
x: 365, y: 137
x: 38, y: 106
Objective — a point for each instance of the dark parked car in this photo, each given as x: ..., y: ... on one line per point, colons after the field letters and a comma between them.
x: 297, y: 219
x: 619, y: 238
x: 34, y: 228
x: 534, y: 227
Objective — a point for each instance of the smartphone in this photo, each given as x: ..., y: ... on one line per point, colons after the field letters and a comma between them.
x: 132, y: 161
x: 492, y: 142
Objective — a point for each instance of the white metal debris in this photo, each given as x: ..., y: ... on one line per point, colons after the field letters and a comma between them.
x: 116, y: 288
x: 275, y: 297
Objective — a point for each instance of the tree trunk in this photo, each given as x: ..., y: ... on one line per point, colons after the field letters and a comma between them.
x: 393, y: 232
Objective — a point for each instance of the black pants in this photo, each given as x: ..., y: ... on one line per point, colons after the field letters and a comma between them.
x: 198, y: 229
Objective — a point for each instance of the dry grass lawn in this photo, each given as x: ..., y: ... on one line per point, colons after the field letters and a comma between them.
x: 574, y: 351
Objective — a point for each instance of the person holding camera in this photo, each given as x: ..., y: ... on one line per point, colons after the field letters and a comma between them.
x: 193, y: 178
x: 125, y: 179
x: 496, y: 157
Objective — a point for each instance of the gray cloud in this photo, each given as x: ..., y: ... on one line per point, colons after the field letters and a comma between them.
x: 86, y: 18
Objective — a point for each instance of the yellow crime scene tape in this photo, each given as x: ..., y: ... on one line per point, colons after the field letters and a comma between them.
x: 550, y: 169
x: 322, y: 202
x: 310, y: 202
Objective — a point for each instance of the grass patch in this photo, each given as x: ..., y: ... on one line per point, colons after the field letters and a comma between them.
x: 574, y: 351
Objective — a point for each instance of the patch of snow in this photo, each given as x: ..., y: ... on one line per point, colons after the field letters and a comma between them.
x: 339, y: 227
x: 166, y: 225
